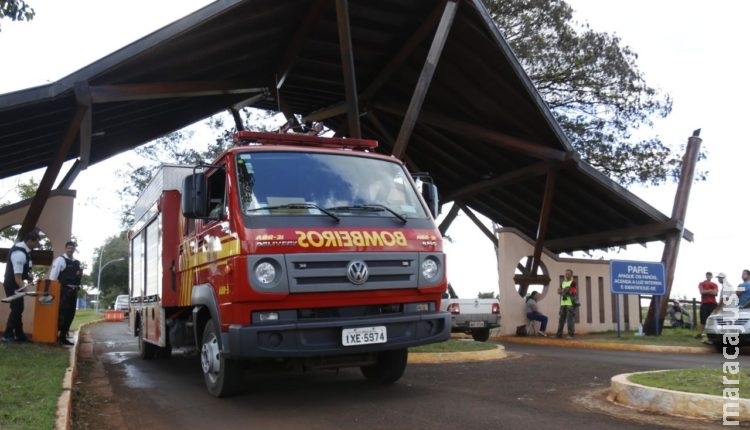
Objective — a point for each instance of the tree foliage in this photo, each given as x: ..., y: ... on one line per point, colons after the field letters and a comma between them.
x: 16, y: 10
x: 593, y: 87
x: 180, y: 147
x: 114, y: 277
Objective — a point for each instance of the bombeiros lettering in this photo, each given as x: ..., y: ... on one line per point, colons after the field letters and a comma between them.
x: 347, y: 238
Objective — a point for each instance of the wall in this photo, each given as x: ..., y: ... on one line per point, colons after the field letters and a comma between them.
x: 597, y: 311
x: 56, y: 222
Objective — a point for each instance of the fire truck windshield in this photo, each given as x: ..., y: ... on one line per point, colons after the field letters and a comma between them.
x: 300, y: 183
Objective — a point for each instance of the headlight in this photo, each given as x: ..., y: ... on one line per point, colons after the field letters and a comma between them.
x: 265, y: 273
x: 429, y: 269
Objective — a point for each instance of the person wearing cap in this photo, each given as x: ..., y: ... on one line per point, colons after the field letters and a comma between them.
x: 709, y: 290
x: 17, y: 272
x: 726, y: 290
x: 68, y: 271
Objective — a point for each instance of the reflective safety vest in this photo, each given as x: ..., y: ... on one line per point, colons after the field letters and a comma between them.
x: 565, y: 298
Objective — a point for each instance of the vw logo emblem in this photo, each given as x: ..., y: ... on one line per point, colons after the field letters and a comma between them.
x: 356, y: 272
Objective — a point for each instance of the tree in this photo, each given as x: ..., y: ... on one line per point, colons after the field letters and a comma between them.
x: 593, y: 87
x: 16, y: 10
x: 114, y: 277
x: 179, y: 148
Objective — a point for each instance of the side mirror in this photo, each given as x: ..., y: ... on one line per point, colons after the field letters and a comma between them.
x: 194, y: 196
x: 430, y: 195
x: 429, y: 192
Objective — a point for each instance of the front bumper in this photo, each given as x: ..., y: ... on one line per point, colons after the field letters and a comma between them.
x: 323, y: 338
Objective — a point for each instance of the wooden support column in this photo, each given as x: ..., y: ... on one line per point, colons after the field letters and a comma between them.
x: 50, y: 174
x: 544, y: 214
x: 425, y: 78
x: 672, y: 243
x: 347, y: 66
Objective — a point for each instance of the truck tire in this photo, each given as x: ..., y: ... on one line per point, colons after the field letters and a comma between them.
x: 146, y: 350
x: 480, y: 334
x: 223, y: 376
x: 388, y: 368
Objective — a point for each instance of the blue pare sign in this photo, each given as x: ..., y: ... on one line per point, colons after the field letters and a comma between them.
x: 637, y: 277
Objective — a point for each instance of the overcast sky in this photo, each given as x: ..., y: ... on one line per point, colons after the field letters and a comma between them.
x: 693, y: 50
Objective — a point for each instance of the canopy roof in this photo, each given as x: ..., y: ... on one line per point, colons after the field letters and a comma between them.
x: 433, y: 81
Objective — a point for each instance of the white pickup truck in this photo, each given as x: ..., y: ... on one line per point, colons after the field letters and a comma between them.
x: 471, y: 316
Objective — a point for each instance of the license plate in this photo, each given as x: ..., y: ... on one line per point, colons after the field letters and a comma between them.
x: 364, y: 335
x: 476, y: 324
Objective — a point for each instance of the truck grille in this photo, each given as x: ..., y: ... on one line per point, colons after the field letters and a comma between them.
x: 309, y: 273
x: 348, y: 312
x: 730, y: 321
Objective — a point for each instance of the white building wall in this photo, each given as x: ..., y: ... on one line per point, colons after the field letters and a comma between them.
x: 596, y: 313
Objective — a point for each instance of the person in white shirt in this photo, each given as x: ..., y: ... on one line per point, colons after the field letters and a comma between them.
x: 68, y: 271
x: 726, y: 289
x: 17, y: 278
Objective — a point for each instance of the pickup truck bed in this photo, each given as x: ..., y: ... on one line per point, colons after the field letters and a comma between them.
x: 472, y: 316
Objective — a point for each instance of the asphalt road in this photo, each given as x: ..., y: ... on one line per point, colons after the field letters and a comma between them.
x: 537, y: 387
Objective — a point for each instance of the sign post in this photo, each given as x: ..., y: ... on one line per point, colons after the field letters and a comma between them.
x: 636, y: 277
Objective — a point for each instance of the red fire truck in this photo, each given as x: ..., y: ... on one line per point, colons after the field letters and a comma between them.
x: 313, y: 251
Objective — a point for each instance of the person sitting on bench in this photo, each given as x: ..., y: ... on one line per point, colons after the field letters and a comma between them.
x: 532, y: 312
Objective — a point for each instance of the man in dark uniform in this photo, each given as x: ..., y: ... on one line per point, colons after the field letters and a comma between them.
x: 68, y: 271
x: 18, y: 270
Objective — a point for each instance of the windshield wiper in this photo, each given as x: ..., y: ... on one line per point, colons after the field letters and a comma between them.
x: 298, y: 206
x: 370, y: 207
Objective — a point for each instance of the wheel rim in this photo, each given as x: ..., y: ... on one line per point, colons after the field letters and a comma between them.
x: 210, y: 357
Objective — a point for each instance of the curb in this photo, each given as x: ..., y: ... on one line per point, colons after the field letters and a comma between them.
x: 497, y: 353
x: 65, y: 401
x: 677, y: 403
x: 583, y: 344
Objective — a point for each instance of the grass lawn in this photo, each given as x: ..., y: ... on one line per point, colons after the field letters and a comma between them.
x: 705, y: 381
x: 669, y: 336
x: 31, y: 378
x: 455, y: 345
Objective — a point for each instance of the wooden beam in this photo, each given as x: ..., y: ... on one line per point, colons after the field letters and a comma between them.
x: 347, y: 67
x: 449, y: 218
x: 238, y: 123
x: 84, y: 138
x: 479, y: 224
x: 672, y: 243
x: 515, y: 176
x: 302, y: 35
x: 405, y: 52
x: 289, y: 114
x: 536, y: 150
x: 373, y: 119
x: 71, y: 176
x: 544, y: 215
x: 331, y: 111
x: 53, y: 169
x: 151, y: 91
x: 653, y: 230
x: 425, y: 78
